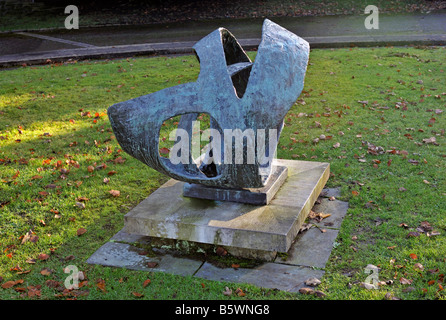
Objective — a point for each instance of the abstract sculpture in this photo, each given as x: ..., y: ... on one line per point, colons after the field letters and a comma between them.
x: 246, y: 102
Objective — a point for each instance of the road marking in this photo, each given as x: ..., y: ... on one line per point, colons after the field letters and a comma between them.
x: 74, y: 43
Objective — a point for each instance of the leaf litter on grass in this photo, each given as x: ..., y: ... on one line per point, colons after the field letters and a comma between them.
x: 374, y: 131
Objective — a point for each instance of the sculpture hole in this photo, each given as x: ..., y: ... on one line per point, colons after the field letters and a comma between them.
x: 238, y: 63
x: 185, y: 135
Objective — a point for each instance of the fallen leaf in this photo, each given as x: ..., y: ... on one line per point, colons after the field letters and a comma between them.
x: 240, y: 292
x: 43, y: 256
x: 221, y: 251
x: 413, y: 234
x: 336, y: 145
x: 146, y: 283
x: 432, y: 271
x: 115, y: 193
x: 80, y: 205
x: 24, y: 272
x: 431, y: 140
x: 8, y: 284
x: 46, y: 272
x: 100, y: 284
x: 90, y: 168
x: 27, y: 236
x: 52, y: 283
x: 306, y: 291
x: 137, y: 294
x: 319, y: 294
x: 426, y: 226
x: 418, y: 266
x: 152, y: 264
x: 305, y: 227
x: 313, y: 282
x: 81, y: 231
x: 227, y: 291
x: 413, y: 256
x: 405, y: 281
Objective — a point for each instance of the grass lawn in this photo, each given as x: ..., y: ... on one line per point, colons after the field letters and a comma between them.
x: 36, y: 15
x: 378, y: 108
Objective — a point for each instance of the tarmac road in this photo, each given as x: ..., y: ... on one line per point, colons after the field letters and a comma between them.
x: 320, y: 31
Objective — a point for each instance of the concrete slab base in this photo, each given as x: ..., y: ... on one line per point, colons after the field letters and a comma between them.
x: 306, y: 258
x: 166, y: 213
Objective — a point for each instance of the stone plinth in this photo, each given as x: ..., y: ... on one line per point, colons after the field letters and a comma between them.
x: 259, y: 196
x: 166, y: 213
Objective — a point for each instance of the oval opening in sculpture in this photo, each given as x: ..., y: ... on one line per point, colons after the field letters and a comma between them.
x: 187, y: 140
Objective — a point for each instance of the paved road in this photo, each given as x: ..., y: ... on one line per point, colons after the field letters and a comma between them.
x: 324, y: 31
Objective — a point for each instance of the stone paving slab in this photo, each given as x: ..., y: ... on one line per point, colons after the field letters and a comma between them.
x: 268, y: 275
x: 336, y: 208
x: 311, y: 249
x: 122, y: 255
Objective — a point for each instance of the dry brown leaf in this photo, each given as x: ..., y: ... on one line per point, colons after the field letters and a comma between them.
x: 240, y: 292
x: 227, y: 291
x: 81, y: 231
x: 306, y: 291
x: 100, y: 284
x: 146, y: 283
x: 115, y: 193
x: 43, y: 256
x: 405, y: 281
x: 137, y: 294
x: 418, y: 266
x: 80, y: 205
x: 313, y: 282
x: 46, y: 272
x: 305, y: 227
x: 430, y: 140
x: 221, y: 251
x: 8, y: 284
